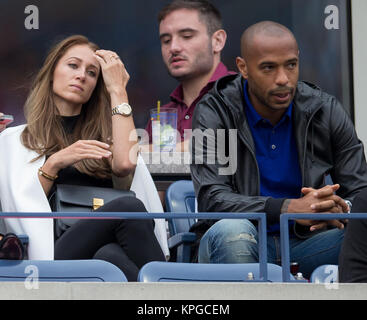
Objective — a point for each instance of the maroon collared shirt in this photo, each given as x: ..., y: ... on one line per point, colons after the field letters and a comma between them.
x: 185, y: 113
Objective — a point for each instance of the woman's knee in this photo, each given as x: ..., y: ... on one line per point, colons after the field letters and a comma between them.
x: 108, y: 252
x: 124, y: 204
x: 139, y: 226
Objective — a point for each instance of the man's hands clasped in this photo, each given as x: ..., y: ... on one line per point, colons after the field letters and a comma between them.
x: 322, y: 200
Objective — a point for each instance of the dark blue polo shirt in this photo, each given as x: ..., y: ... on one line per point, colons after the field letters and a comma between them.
x: 276, y: 155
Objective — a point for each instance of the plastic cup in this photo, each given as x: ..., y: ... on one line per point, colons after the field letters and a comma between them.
x: 164, y: 129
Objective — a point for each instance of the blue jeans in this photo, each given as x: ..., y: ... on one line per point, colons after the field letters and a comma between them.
x: 235, y: 241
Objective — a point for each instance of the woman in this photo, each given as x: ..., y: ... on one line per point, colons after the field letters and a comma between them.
x: 77, y: 134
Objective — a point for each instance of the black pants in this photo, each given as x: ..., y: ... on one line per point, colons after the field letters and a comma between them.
x: 353, y: 253
x: 127, y: 243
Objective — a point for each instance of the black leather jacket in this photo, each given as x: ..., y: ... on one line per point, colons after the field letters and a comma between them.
x: 326, y: 141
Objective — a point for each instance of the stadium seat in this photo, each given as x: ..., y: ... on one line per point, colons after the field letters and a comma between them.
x: 180, y: 198
x: 60, y: 270
x: 200, y: 272
x: 327, y: 273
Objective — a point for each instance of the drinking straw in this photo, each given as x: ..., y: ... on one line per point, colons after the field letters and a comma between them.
x: 158, y: 109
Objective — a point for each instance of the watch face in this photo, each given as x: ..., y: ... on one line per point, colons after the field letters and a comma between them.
x: 125, y: 109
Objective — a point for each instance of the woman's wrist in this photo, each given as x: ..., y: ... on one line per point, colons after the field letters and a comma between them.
x: 118, y: 96
x: 47, y: 176
x: 50, y: 167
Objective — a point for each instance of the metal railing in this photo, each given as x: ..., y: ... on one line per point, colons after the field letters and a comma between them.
x: 284, y: 232
x: 260, y: 217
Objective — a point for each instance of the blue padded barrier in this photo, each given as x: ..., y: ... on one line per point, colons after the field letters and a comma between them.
x: 60, y: 270
x: 201, y: 272
x: 261, y: 217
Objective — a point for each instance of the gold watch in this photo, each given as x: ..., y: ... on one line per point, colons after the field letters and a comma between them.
x: 123, y: 109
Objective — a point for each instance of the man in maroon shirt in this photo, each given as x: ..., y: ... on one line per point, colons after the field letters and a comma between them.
x: 192, y: 39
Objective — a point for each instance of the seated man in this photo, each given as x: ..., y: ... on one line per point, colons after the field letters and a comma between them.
x: 353, y: 253
x: 192, y: 39
x: 288, y: 135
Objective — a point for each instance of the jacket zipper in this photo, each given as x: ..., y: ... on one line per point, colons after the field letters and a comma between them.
x: 254, y: 158
x: 305, y: 146
x: 246, y: 144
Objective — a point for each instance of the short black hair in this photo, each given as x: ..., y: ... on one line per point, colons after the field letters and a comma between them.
x: 209, y: 14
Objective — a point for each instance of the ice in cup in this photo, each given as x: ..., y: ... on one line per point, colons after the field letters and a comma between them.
x: 164, y: 129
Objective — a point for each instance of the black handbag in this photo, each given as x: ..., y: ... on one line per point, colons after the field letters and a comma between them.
x: 11, y: 247
x: 74, y: 198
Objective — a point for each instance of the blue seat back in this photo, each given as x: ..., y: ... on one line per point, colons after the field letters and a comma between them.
x: 60, y: 270
x: 327, y: 273
x: 180, y: 198
x: 178, y: 272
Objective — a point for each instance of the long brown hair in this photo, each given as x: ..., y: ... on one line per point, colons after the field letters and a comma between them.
x: 44, y: 132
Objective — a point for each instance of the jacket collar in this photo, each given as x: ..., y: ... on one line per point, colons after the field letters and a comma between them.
x: 230, y: 89
x: 307, y: 101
